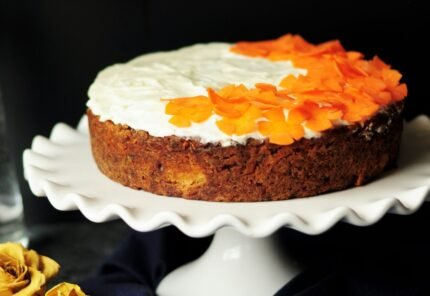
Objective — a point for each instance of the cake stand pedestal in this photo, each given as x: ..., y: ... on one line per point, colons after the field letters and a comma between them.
x: 234, y: 264
x: 244, y: 258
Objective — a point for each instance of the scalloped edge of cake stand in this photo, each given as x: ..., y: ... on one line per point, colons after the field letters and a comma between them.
x: 54, y: 166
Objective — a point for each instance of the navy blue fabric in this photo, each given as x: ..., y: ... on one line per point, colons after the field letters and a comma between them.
x: 142, y: 260
x: 365, y: 263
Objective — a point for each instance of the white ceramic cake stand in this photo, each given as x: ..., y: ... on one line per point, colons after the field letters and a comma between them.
x: 243, y: 258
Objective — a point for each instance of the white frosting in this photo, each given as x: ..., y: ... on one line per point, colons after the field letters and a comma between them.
x: 131, y: 93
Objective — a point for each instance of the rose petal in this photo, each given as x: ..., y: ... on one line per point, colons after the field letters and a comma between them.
x: 5, y: 292
x: 65, y: 289
x: 49, y: 268
x: 13, y: 250
x: 36, y: 285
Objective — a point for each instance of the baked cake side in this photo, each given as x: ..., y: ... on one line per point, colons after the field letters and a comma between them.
x: 345, y: 156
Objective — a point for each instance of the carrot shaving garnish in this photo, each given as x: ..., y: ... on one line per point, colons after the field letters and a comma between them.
x: 281, y: 132
x: 339, y: 85
x: 319, y: 125
x: 226, y: 126
x: 281, y: 139
x: 180, y: 121
x: 399, y: 92
x: 186, y: 110
x: 275, y: 114
x: 354, y: 55
x: 266, y: 86
x: 243, y: 125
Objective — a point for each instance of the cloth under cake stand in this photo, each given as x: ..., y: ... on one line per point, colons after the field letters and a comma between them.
x: 244, y: 257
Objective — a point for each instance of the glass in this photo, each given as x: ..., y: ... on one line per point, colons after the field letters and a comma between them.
x: 11, y: 210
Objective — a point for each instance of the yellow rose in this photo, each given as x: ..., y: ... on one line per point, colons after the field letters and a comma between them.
x: 65, y: 289
x: 24, y: 272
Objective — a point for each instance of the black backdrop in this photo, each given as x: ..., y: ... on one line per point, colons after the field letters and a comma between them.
x: 50, y: 51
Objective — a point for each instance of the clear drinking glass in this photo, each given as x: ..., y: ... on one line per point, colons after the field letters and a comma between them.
x: 11, y: 210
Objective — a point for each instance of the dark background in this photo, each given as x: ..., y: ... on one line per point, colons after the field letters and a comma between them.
x: 51, y: 51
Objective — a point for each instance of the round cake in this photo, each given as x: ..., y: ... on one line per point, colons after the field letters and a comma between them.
x: 250, y: 121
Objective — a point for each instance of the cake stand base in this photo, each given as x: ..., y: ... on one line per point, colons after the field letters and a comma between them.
x: 234, y: 264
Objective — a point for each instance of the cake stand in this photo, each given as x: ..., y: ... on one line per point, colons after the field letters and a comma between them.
x: 243, y: 258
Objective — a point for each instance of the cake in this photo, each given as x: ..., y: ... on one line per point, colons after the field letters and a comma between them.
x: 250, y: 121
